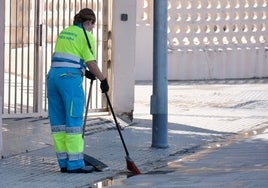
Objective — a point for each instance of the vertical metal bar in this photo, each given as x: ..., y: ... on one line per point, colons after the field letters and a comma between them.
x: 36, y: 52
x: 28, y: 58
x: 74, y: 6
x: 40, y: 57
x: 52, y: 27
x: 86, y: 90
x: 46, y: 53
x: 159, y: 97
x: 58, y: 17
x: 63, y: 14
x: 41, y: 62
x: 96, y: 85
x: 70, y: 5
x: 22, y: 57
x: 16, y: 58
x: 98, y: 24
x: 9, y: 63
x: 90, y: 5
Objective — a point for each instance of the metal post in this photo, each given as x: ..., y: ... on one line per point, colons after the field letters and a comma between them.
x: 159, y: 97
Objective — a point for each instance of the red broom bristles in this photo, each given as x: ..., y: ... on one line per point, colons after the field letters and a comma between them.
x: 131, y: 166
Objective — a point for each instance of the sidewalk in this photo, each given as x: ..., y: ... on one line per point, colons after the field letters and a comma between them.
x: 201, y: 114
x: 240, y: 162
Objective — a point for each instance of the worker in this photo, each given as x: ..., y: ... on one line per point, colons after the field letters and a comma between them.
x: 74, y: 57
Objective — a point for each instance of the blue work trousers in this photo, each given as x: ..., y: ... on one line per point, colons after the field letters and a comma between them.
x: 65, y: 108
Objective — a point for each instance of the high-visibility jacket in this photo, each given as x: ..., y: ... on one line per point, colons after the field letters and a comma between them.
x: 71, y: 48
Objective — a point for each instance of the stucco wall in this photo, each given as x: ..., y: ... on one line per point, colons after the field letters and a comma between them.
x: 123, y: 57
x: 206, y: 39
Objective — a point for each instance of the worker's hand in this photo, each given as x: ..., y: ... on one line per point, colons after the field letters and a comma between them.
x: 104, y: 86
x: 89, y: 75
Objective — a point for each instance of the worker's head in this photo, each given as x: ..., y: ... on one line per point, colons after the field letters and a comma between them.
x: 86, y: 17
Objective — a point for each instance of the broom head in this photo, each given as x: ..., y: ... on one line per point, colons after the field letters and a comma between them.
x: 131, y: 166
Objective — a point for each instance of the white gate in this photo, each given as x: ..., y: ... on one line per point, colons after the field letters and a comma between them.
x: 31, y: 28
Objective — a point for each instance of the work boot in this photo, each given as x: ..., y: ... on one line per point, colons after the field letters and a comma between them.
x: 63, y: 170
x: 86, y: 169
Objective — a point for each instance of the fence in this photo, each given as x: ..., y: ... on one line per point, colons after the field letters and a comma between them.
x: 31, y: 29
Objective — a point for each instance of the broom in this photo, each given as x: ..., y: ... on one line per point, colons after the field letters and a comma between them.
x: 88, y: 100
x: 130, y: 163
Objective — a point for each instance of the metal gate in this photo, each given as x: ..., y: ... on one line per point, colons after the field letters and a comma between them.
x: 31, y: 29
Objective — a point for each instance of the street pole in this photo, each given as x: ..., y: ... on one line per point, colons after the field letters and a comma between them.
x: 159, y: 97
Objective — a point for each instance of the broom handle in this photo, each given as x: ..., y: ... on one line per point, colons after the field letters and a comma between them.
x: 88, y: 100
x: 117, y: 125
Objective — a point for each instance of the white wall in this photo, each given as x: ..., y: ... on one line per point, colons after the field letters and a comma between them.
x: 196, y: 65
x: 123, y: 57
x: 206, y: 42
x: 230, y: 64
x: 144, y: 53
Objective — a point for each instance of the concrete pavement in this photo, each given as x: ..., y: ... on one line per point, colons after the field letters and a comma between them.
x: 208, y: 121
x: 241, y: 161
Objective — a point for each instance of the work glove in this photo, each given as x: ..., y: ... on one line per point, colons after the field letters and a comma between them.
x: 89, y: 75
x: 104, y: 86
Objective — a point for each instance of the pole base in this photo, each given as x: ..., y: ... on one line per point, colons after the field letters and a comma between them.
x: 159, y: 136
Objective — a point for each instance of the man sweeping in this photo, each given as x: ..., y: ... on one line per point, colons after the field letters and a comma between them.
x: 66, y: 99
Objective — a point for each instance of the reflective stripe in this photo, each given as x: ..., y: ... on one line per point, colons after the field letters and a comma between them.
x: 75, y: 156
x: 62, y: 155
x: 67, y: 60
x: 58, y: 128
x: 74, y: 130
x: 65, y: 64
x: 66, y: 56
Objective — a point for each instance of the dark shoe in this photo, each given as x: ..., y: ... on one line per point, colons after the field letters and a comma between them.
x: 63, y: 170
x: 86, y: 169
